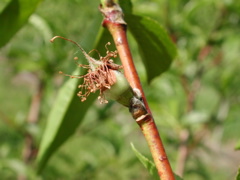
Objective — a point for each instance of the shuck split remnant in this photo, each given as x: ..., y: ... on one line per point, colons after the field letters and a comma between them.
x: 102, y: 75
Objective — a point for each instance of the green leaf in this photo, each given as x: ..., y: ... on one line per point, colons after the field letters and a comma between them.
x: 68, y: 111
x: 65, y: 116
x: 237, y: 147
x: 177, y: 177
x: 149, y: 165
x: 238, y: 175
x: 14, y: 16
x: 126, y: 6
x: 156, y: 48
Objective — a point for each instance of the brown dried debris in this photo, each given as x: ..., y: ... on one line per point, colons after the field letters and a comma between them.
x: 100, y: 75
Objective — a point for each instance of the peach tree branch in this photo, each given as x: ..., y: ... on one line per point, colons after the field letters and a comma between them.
x: 114, y: 22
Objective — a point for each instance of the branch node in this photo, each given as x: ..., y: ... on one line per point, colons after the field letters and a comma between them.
x: 137, y: 107
x: 113, y: 13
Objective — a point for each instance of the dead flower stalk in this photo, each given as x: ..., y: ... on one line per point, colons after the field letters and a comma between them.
x: 101, y: 75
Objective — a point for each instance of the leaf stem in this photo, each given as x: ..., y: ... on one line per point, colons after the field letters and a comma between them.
x: 114, y: 22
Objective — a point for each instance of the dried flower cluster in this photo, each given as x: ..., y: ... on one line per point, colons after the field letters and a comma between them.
x: 100, y: 75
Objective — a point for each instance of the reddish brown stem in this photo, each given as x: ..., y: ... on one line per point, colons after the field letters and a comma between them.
x: 29, y: 149
x: 191, y: 90
x: 115, y: 24
x: 182, y: 152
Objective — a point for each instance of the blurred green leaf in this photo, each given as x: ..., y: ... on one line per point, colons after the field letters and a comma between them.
x: 126, y: 6
x: 156, y: 48
x: 149, y: 164
x: 68, y: 111
x: 237, y: 147
x: 14, y: 16
x: 195, y: 117
x: 146, y: 162
x: 63, y: 120
x: 42, y: 26
x: 3, y: 4
x: 238, y: 175
x: 177, y: 177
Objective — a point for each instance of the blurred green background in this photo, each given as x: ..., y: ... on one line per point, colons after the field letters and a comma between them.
x: 195, y: 103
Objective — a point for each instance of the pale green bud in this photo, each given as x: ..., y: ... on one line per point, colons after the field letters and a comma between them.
x: 120, y: 91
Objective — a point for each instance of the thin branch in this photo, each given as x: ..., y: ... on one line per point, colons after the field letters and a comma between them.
x: 29, y: 149
x: 183, y: 152
x: 140, y: 110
